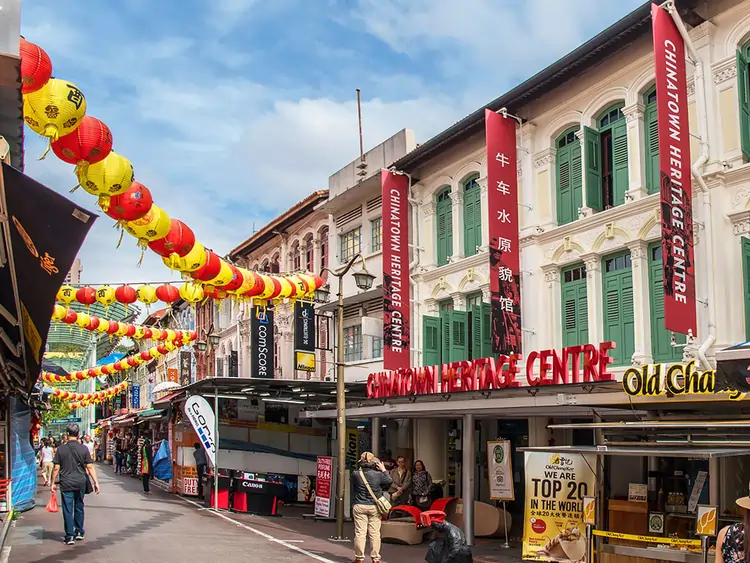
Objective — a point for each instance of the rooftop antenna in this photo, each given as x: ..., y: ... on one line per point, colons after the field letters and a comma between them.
x: 362, y: 164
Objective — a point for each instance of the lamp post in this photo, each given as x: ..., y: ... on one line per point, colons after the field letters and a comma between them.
x: 207, y: 345
x: 364, y: 281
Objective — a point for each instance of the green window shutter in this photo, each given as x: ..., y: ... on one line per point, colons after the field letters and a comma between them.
x: 576, y: 180
x: 486, y: 330
x: 472, y: 221
x: 627, y: 306
x: 620, y: 161
x: 431, y: 342
x: 444, y: 228
x: 446, y: 340
x: 575, y: 313
x: 746, y: 282
x: 476, y: 332
x: 448, y: 230
x: 564, y: 187
x: 661, y: 339
x: 744, y: 103
x: 653, y: 176
x: 592, y: 143
x: 459, y: 327
x: 619, y: 322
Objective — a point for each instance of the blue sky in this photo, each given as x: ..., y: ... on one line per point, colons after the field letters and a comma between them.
x: 233, y: 110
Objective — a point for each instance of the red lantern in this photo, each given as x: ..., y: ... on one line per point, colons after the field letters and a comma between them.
x: 276, y: 288
x: 36, y: 67
x: 86, y: 296
x: 91, y: 142
x: 163, y: 335
x: 178, y: 336
x: 91, y: 372
x: 146, y: 356
x: 132, y: 363
x: 130, y: 331
x: 210, y: 269
x: 318, y: 281
x: 94, y: 323
x: 167, y: 293
x: 131, y: 204
x: 180, y: 240
x: 193, y: 335
x: 162, y: 349
x: 70, y: 317
x: 114, y: 326
x: 237, y: 280
x: 126, y: 295
x: 259, y: 286
x: 147, y: 334
x: 117, y: 366
x: 106, y: 370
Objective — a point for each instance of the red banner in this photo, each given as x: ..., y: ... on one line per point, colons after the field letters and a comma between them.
x: 674, y: 166
x: 502, y: 202
x: 323, y: 480
x: 396, y: 304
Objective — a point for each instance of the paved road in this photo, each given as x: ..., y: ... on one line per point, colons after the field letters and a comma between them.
x: 123, y: 525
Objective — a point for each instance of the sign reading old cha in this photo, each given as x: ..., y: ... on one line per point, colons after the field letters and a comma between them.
x: 653, y: 380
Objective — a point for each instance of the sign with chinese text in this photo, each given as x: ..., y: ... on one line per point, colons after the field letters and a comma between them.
x: 574, y: 364
x: 556, y: 486
x: 674, y: 380
x: 396, y: 290
x: 172, y: 375
x: 262, y: 343
x: 678, y: 260
x: 324, y: 487
x: 186, y: 368
x: 637, y: 492
x: 500, y: 470
x: 135, y: 396
x: 502, y: 204
x: 304, y: 336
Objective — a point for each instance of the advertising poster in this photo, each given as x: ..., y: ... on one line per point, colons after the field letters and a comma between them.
x: 502, y: 204
x: 352, y: 447
x: 201, y: 417
x: 324, y: 488
x: 556, y: 486
x: 262, y: 340
x: 172, y: 375
x: 304, y: 336
x: 500, y: 471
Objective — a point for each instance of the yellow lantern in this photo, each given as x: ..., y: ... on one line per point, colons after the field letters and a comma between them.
x: 155, y: 333
x: 154, y: 351
x: 66, y: 294
x: 224, y: 276
x: 105, y: 295
x: 286, y: 288
x: 191, y: 292
x: 147, y: 294
x: 152, y: 226
x: 83, y: 320
x: 103, y: 326
x: 139, y: 332
x: 191, y: 262
x: 54, y: 110
x: 106, y: 178
x: 268, y: 288
x: 122, y: 329
x: 98, y: 371
x: 138, y: 360
x: 171, y: 335
x: 58, y: 313
x: 248, y: 281
x: 310, y: 281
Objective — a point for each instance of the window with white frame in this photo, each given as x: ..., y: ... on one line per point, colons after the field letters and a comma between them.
x: 377, y: 347
x: 351, y: 244
x: 353, y: 343
x: 376, y: 228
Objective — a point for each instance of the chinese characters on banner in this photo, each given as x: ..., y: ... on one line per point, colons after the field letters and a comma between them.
x: 502, y: 203
x: 396, y: 300
x: 135, y: 396
x: 674, y: 166
x: 186, y: 368
x: 323, y: 487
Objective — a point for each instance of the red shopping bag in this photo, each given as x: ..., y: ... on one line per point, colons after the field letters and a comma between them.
x: 52, y: 504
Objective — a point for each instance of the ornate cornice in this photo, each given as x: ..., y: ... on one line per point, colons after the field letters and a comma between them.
x: 544, y: 158
x: 724, y: 70
x: 457, y: 197
x: 428, y: 208
x: 633, y: 112
x: 740, y: 222
x: 551, y: 273
x: 638, y: 249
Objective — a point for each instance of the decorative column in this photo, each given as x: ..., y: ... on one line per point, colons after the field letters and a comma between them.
x: 584, y: 211
x: 485, y: 246
x: 244, y: 348
x: 550, y: 316
x: 543, y: 188
x: 459, y: 301
x: 636, y: 151
x: 431, y: 306
x: 641, y: 302
x: 428, y: 233
x: 594, y: 296
x: 526, y: 196
x: 733, y: 318
x: 458, y: 232
x: 486, y: 294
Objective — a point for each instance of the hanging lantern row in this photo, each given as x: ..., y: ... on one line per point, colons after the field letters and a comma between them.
x: 127, y: 295
x: 56, y: 109
x: 113, y: 328
x: 104, y: 394
x: 115, y: 367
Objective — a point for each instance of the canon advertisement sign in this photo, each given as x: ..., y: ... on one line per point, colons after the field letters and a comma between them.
x: 202, y: 418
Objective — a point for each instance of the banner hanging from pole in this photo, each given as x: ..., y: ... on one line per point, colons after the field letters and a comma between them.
x: 262, y: 343
x: 502, y: 204
x: 396, y: 294
x: 201, y: 416
x: 678, y: 260
x: 304, y: 336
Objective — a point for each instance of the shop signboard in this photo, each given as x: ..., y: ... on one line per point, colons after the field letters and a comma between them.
x: 172, y: 375
x: 675, y: 172
x: 186, y: 365
x: 706, y: 521
x: 262, y: 340
x: 201, y: 416
x: 324, y: 488
x: 674, y: 380
x: 396, y: 299
x: 556, y: 486
x: 502, y: 206
x: 304, y: 336
x: 135, y: 396
x: 575, y: 364
x: 500, y: 470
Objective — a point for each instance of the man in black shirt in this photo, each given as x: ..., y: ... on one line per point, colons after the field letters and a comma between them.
x: 72, y: 461
x: 200, y: 466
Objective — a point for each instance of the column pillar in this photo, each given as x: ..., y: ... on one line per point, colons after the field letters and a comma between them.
x: 551, y: 323
x: 431, y: 446
x: 641, y: 302
x: 594, y: 295
x: 636, y: 153
x: 428, y: 232
x: 585, y: 211
x: 457, y: 198
x: 459, y: 301
x: 542, y: 189
x: 538, y: 434
x: 468, y: 469
x: 484, y: 247
x: 376, y: 436
x: 528, y: 217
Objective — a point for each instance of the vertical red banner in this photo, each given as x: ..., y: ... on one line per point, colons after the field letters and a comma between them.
x: 396, y: 301
x: 505, y: 263
x: 674, y: 166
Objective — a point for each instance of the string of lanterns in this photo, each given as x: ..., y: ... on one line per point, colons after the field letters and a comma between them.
x: 89, y: 398
x: 112, y: 368
x: 93, y: 323
x: 56, y: 109
x: 127, y: 295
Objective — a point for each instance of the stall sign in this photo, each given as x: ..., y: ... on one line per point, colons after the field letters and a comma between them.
x: 589, y: 511
x: 574, y: 364
x: 186, y: 368
x: 500, y: 471
x: 172, y: 375
x: 706, y: 522
x: 135, y: 396
x: 190, y: 486
x: 653, y: 380
x: 637, y: 492
x: 323, y: 487
x: 556, y: 486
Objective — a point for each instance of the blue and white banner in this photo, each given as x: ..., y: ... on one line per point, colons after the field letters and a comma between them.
x: 202, y: 417
x: 135, y: 396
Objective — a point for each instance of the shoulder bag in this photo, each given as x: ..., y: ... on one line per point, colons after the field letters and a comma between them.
x: 88, y: 488
x: 382, y: 504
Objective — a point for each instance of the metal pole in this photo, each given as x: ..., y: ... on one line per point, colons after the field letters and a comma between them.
x: 376, y: 436
x: 216, y: 456
x: 468, y: 468
x: 359, y: 121
x: 704, y: 548
x: 506, y: 545
x: 589, y: 545
x: 341, y: 416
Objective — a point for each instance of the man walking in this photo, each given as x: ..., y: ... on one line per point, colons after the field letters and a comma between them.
x: 200, y: 466
x: 72, y: 462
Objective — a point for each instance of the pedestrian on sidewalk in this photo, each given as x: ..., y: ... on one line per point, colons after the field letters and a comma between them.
x: 47, y: 454
x: 119, y: 456
x: 401, y: 477
x: 733, y: 542
x: 367, y: 484
x: 89, y: 444
x: 147, y: 466
x: 200, y: 466
x: 72, y: 462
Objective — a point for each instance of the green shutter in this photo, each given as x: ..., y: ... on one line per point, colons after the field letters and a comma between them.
x: 459, y: 345
x: 472, y: 220
x: 576, y: 179
x: 476, y: 332
x: 486, y: 330
x: 620, y: 161
x: 744, y: 103
x: 575, y: 313
x: 661, y: 339
x: 619, y: 324
x: 564, y: 187
x: 431, y: 342
x: 653, y: 176
x: 444, y: 226
x: 446, y: 340
x: 746, y: 282
x: 592, y: 143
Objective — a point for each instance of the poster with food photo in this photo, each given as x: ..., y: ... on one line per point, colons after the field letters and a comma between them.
x: 556, y: 484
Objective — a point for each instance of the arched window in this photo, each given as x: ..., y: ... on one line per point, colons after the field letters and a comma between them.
x: 472, y: 215
x: 275, y: 264
x: 323, y: 237
x: 569, y: 176
x: 607, y: 160
x: 651, y: 124
x: 444, y: 226
x: 296, y: 257
x: 743, y: 93
x: 309, y: 253
x: 266, y: 267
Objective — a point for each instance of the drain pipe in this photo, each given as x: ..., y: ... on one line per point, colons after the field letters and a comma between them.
x: 696, y: 169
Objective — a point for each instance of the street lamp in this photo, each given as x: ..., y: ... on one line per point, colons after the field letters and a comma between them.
x: 364, y: 281
x: 206, y: 344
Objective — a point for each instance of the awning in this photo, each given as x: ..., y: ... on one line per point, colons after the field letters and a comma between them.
x: 178, y: 395
x: 151, y: 415
x: 645, y: 450
x: 124, y: 419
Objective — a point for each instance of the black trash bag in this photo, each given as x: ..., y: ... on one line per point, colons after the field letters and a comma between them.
x: 449, y: 545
